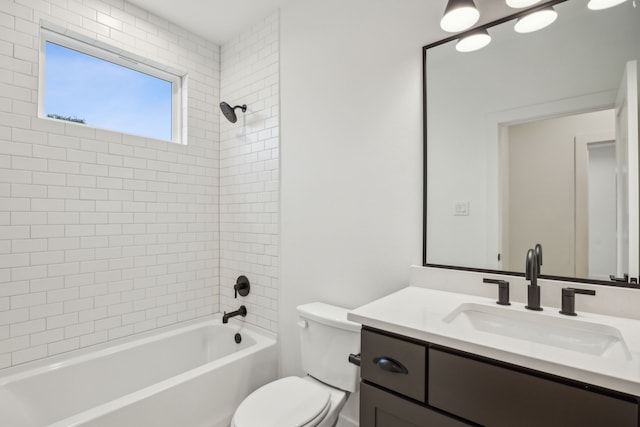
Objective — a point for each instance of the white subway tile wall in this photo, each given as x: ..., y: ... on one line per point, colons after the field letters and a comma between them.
x: 250, y: 172
x: 104, y: 234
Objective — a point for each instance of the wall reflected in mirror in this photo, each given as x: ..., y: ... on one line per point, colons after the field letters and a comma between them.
x: 533, y: 139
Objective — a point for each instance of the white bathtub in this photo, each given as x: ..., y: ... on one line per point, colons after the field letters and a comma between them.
x: 183, y: 376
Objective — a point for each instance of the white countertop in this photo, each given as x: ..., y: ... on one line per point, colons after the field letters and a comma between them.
x: 418, y: 313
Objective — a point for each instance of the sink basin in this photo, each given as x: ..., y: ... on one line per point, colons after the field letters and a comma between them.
x: 569, y: 334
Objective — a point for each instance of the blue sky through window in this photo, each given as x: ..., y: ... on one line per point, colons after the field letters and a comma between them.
x: 105, y: 94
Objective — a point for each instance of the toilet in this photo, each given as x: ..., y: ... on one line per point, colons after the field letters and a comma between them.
x: 315, y: 400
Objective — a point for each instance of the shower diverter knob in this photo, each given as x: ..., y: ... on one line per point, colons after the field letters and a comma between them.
x: 241, y: 287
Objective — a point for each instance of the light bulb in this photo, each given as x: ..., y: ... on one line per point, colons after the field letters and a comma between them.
x: 474, y: 41
x: 536, y: 20
x: 519, y: 4
x: 603, y: 4
x: 459, y: 15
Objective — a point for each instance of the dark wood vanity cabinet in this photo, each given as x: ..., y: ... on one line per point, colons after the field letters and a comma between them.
x: 495, y: 395
x: 408, y: 383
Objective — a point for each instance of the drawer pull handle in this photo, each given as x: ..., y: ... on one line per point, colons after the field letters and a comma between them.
x: 390, y: 365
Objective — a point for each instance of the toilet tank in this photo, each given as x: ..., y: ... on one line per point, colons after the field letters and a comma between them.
x: 326, y: 339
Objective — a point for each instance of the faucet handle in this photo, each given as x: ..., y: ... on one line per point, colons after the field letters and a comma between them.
x: 241, y: 287
x: 623, y: 279
x: 503, y: 290
x: 569, y: 299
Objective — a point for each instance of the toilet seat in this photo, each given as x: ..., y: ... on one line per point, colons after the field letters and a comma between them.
x: 290, y: 402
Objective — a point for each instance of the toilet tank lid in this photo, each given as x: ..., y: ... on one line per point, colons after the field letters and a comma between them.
x: 329, y: 315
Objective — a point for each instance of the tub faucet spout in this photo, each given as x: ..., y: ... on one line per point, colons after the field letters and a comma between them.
x: 242, y: 311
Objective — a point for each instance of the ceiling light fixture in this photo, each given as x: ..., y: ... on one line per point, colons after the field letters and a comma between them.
x: 519, y: 4
x: 459, y: 15
x: 536, y: 20
x: 603, y: 4
x: 475, y: 41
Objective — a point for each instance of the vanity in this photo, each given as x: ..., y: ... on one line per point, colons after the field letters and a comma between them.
x: 438, y: 358
x: 516, y: 133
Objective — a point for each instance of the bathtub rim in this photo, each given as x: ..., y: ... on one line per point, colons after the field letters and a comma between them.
x: 14, y: 373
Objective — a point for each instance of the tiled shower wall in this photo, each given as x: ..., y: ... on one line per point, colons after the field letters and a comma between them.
x: 249, y: 172
x: 103, y: 235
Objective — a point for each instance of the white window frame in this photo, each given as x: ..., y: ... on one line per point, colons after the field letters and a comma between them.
x: 69, y: 39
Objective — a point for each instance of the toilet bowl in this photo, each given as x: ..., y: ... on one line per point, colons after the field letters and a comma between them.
x: 315, y: 400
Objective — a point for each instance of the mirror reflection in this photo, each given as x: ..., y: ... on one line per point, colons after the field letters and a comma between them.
x: 534, y: 139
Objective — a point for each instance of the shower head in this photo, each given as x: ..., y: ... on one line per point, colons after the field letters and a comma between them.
x: 229, y: 111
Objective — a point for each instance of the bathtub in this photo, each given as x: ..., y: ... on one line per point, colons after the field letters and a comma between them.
x: 192, y: 375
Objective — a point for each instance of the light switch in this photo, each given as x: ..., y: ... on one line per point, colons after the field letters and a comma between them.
x: 461, y: 208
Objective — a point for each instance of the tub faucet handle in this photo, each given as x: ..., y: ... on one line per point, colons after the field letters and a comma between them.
x: 241, y: 287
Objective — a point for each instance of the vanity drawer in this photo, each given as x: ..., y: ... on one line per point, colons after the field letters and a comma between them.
x: 496, y: 396
x: 394, y: 363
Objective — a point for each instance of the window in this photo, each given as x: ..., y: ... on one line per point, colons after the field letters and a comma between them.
x: 87, y: 84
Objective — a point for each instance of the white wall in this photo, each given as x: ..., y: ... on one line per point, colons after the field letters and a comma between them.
x: 249, y: 172
x: 102, y: 234
x: 351, y: 154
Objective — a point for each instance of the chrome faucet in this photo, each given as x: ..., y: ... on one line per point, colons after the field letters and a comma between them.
x: 531, y: 271
x: 242, y: 311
